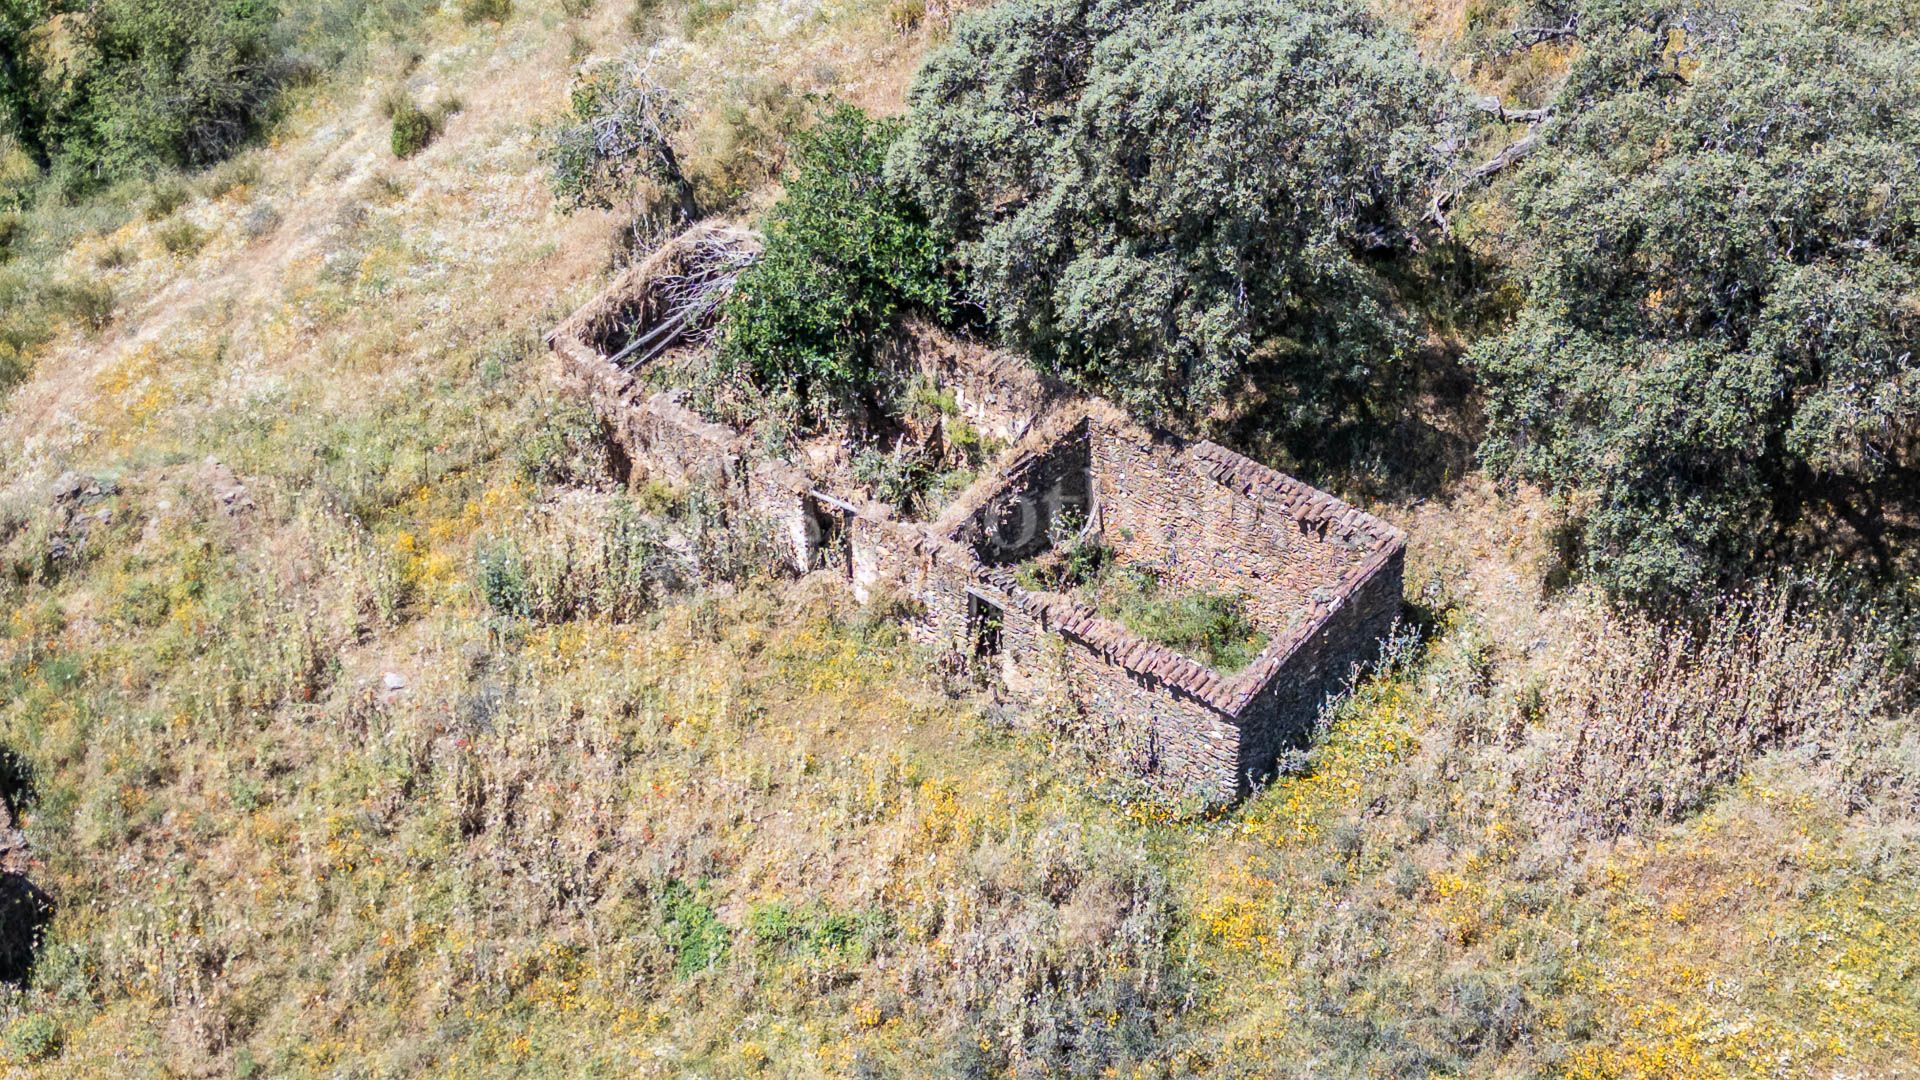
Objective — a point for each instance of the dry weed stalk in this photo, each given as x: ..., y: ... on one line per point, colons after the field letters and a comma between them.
x: 1645, y: 717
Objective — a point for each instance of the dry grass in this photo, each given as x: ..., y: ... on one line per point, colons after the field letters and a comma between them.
x: 1643, y: 719
x: 707, y: 823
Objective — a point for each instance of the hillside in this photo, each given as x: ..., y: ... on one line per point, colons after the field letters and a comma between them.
x: 306, y: 801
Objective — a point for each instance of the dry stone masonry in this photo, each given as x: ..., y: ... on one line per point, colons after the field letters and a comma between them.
x: 1320, y: 577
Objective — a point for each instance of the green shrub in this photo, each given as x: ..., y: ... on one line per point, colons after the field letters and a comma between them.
x: 643, y: 19
x: 569, y: 446
x: 503, y: 579
x: 846, y: 256
x: 576, y: 9
x: 175, y: 84
x: 413, y: 128
x: 553, y: 575
x: 33, y: 1038
x: 182, y: 238
x: 19, y: 173
x: 1210, y: 627
x: 905, y: 16
x: 231, y: 176
x: 89, y: 304
x: 694, y: 933
x: 898, y: 478
x: 479, y: 11
x: 113, y: 257
x: 700, y: 15
x: 814, y: 931
x: 13, y: 368
x: 1185, y: 205
x: 25, y: 323
x: 1719, y: 358
x: 167, y: 195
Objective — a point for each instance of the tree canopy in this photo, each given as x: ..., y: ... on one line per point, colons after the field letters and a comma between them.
x: 125, y: 86
x: 615, y: 146
x: 1182, y: 202
x: 1721, y: 256
x: 846, y: 255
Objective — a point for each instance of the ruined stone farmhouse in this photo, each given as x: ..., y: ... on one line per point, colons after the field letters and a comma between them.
x: 1321, y: 578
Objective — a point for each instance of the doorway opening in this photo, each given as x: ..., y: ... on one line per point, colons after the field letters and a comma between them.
x: 831, y: 535
x: 985, y: 621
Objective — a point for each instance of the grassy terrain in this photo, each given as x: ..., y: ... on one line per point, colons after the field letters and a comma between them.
x: 316, y: 798
x: 1213, y: 627
x: 1210, y: 627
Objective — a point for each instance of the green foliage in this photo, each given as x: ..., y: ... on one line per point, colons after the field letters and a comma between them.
x: 1211, y: 627
x: 174, y: 84
x: 34, y: 1037
x: 87, y: 304
x: 1181, y: 202
x: 814, y: 931
x: 324, y: 35
x: 182, y: 238
x: 112, y: 88
x: 23, y: 93
x: 413, y: 128
x: 1720, y: 352
x: 694, y: 933
x: 643, y: 19
x: 568, y: 447
x: 615, y: 146
x: 167, y: 195
x: 704, y: 14
x: 620, y: 572
x: 24, y: 323
x: 846, y: 255
x: 898, y: 478
x: 502, y: 577
x: 18, y: 174
x: 479, y: 11
x: 1071, y: 561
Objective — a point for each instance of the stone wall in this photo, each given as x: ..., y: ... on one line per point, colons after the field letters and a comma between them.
x: 1318, y: 662
x: 1322, y: 578
x: 1159, y: 507
x: 676, y: 445
x: 1136, y: 723
x: 1038, y: 487
x: 998, y: 392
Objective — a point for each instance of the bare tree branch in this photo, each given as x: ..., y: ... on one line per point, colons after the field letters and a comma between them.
x: 1528, y: 36
x: 1512, y: 152
x: 1492, y: 107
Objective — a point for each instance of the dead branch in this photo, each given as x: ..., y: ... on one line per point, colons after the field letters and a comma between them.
x: 1492, y: 107
x: 688, y: 301
x: 1512, y: 152
x: 1528, y: 36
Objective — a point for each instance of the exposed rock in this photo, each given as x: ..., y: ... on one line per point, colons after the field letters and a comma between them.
x: 227, y: 490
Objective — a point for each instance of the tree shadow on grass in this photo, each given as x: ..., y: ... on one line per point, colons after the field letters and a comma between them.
x: 25, y: 908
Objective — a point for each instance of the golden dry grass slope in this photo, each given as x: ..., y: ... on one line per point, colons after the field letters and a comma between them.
x: 310, y: 806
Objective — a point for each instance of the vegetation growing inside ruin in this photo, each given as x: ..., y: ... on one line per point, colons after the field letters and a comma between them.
x: 1210, y: 627
x: 847, y: 256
